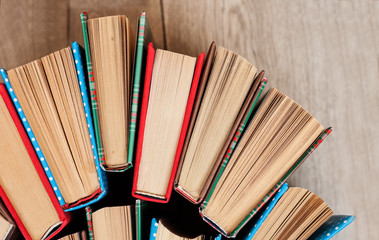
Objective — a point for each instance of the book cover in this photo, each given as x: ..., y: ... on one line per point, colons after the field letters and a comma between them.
x: 153, y: 229
x: 64, y: 217
x: 143, y: 38
x: 306, y: 154
x: 331, y: 227
x: 100, y: 193
x: 144, y: 106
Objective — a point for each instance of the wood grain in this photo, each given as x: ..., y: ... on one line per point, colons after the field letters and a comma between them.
x: 324, y: 54
x: 131, y: 9
x: 31, y: 29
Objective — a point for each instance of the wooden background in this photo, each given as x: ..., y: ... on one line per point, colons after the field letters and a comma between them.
x: 324, y: 54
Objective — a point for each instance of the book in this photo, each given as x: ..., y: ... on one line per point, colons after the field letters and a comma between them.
x: 159, y: 231
x: 81, y: 235
x: 8, y: 228
x: 51, y: 99
x: 109, y: 44
x: 241, y: 121
x: 296, y: 215
x: 171, y: 81
x: 24, y: 187
x: 330, y: 228
x: 229, y: 83
x: 277, y: 140
x: 116, y: 222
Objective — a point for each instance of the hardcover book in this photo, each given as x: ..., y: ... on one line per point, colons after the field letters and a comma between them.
x: 110, y: 223
x: 277, y: 140
x: 230, y: 81
x: 24, y: 187
x: 171, y: 81
x: 110, y: 82
x: 51, y: 99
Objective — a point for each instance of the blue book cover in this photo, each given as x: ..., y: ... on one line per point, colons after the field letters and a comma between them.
x: 83, y: 89
x: 36, y: 146
x: 331, y: 227
x: 153, y: 229
x: 258, y: 220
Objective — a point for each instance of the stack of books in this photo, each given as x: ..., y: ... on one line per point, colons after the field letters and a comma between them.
x: 207, y: 127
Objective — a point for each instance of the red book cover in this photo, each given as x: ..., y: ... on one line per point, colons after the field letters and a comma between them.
x: 187, y: 116
x: 63, y: 216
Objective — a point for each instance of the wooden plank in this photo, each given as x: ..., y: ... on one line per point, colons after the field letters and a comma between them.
x: 31, y: 29
x: 131, y: 9
x: 324, y: 54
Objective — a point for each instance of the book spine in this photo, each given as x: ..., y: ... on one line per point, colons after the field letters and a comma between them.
x: 83, y: 90
x: 89, y: 223
x: 136, y: 86
x: 234, y: 142
x: 32, y: 138
x: 92, y: 89
x: 153, y: 229
x: 304, y: 156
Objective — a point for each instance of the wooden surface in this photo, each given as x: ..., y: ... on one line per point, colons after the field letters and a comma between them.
x: 324, y: 54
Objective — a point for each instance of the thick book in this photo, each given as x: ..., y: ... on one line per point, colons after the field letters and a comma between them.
x: 110, y: 83
x: 282, y: 212
x: 24, y: 187
x: 230, y: 87
x: 158, y: 231
x: 158, y: 153
x: 240, y: 123
x: 51, y: 99
x: 108, y: 223
x: 278, y: 120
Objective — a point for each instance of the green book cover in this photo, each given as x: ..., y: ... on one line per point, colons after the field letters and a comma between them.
x: 143, y: 38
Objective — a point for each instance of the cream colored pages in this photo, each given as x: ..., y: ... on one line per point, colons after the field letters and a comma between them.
x: 20, y: 180
x: 227, y: 87
x: 111, y: 223
x: 111, y: 51
x: 279, y: 134
x: 49, y: 95
x: 165, y: 234
x: 170, y: 86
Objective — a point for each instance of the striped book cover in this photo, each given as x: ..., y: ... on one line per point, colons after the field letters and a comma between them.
x: 305, y: 155
x: 143, y: 39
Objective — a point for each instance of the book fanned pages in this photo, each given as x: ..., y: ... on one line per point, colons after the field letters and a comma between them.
x: 144, y: 107
x: 199, y: 95
x: 241, y: 122
x: 102, y: 190
x: 143, y: 38
x: 6, y: 192
x: 331, y: 227
x: 269, y: 195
